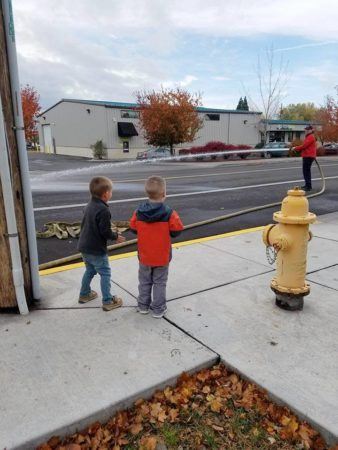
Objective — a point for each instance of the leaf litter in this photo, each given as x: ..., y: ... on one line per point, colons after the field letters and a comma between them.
x: 211, y: 409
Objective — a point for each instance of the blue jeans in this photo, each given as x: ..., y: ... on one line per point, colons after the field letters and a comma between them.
x: 97, y: 264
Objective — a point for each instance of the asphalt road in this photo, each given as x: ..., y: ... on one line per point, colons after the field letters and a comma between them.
x: 197, y: 190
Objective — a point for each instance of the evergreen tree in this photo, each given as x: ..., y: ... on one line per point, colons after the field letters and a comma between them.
x: 240, y: 104
x: 245, y: 105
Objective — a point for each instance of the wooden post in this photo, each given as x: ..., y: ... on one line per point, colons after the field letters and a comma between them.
x: 7, y: 292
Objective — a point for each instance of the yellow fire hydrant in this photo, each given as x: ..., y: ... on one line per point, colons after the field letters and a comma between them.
x: 289, y: 240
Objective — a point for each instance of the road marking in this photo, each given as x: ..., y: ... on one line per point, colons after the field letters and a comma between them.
x: 216, y: 174
x: 176, y: 245
x: 199, y: 175
x: 184, y: 194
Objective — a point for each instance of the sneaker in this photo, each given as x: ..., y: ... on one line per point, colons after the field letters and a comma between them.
x: 115, y: 303
x: 160, y: 315
x: 308, y: 189
x: 87, y: 298
x: 143, y: 311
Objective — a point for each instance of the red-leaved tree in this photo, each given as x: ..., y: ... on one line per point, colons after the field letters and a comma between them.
x: 328, y: 118
x: 169, y: 117
x: 31, y: 108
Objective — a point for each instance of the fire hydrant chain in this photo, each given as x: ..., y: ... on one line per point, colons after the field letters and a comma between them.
x: 271, y: 254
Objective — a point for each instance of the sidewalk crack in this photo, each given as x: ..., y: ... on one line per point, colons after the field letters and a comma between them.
x: 322, y: 268
x: 194, y: 338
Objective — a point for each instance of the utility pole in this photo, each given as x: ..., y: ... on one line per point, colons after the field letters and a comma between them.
x: 10, y: 274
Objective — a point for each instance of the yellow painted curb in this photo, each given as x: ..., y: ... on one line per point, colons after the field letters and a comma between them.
x: 131, y: 254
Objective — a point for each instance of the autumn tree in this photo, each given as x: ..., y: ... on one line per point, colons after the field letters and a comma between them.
x: 31, y: 108
x: 299, y: 111
x: 169, y: 117
x: 327, y: 116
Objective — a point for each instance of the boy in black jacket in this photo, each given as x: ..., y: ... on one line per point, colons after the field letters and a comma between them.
x: 95, y: 231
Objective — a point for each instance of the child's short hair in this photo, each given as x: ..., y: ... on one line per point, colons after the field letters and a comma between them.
x: 155, y: 187
x: 99, y: 185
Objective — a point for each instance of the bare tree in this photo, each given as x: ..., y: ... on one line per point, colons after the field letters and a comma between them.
x: 272, y: 78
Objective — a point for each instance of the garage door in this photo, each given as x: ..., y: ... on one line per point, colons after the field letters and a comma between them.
x: 47, y: 139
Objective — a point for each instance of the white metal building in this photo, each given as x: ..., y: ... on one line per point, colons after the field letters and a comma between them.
x: 71, y: 126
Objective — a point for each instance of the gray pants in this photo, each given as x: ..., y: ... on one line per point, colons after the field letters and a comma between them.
x: 152, y: 279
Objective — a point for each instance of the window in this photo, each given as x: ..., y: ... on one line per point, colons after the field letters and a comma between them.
x: 298, y: 134
x: 125, y: 146
x: 130, y: 114
x: 212, y: 117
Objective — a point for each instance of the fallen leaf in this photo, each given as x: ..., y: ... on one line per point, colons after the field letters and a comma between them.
x: 203, y: 376
x: 206, y: 390
x: 155, y: 409
x: 54, y: 441
x: 148, y: 443
x: 215, y: 405
x: 290, y: 427
x: 162, y: 417
x: 136, y: 428
x: 306, y: 435
x: 217, y: 428
x: 173, y: 414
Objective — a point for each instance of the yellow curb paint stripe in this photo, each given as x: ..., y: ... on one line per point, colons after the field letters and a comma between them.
x: 217, y: 236
x: 131, y: 254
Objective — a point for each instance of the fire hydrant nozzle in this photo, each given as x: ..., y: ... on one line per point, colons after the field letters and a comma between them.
x: 290, y: 239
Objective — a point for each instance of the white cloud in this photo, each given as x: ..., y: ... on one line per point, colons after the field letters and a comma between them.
x: 109, y: 49
x: 306, y: 18
x: 187, y: 80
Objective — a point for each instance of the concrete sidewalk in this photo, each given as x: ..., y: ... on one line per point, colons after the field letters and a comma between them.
x: 66, y: 365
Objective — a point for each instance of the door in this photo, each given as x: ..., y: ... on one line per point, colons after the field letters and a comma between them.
x: 47, y: 139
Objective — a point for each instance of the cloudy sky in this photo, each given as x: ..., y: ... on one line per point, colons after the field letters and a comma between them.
x: 108, y: 49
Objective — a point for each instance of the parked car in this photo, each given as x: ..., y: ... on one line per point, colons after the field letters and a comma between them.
x: 275, y: 146
x: 331, y: 148
x: 154, y: 153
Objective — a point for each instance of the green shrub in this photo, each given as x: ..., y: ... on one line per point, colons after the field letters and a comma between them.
x: 99, y: 150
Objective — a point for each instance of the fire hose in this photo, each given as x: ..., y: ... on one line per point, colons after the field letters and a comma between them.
x: 77, y: 256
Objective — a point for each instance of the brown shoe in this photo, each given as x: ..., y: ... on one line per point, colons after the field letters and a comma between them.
x: 116, y: 303
x: 87, y: 298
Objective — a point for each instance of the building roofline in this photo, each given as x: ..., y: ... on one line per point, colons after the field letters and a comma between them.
x: 107, y: 104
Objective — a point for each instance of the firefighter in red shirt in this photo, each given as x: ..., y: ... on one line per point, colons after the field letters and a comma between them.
x: 308, y: 152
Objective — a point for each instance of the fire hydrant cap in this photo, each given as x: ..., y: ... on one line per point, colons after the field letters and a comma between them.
x: 295, y: 209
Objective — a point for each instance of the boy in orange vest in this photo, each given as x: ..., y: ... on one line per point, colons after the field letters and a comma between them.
x: 155, y: 223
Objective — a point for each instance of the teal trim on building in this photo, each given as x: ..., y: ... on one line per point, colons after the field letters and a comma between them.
x: 290, y: 122
x: 126, y: 105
